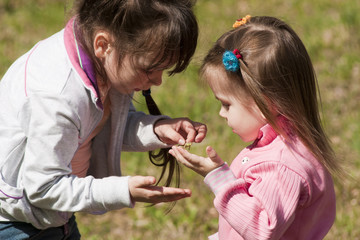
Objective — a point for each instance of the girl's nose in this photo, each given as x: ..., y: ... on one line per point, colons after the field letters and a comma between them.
x: 157, y: 81
x: 221, y: 113
x: 155, y: 78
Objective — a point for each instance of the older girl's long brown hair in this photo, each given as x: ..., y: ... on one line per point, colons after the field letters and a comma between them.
x: 166, y: 30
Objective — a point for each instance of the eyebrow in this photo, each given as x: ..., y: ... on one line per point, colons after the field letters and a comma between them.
x: 158, y: 68
x: 219, y: 99
x: 222, y: 101
x: 157, y: 65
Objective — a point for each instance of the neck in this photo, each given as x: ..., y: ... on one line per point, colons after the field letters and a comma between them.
x: 103, y: 87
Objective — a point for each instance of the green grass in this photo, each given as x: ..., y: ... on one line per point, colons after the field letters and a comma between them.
x: 330, y: 31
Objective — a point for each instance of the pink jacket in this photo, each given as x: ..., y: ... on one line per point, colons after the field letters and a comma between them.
x: 273, y: 191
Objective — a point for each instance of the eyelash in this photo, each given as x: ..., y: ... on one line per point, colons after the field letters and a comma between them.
x: 147, y: 72
x: 225, y: 105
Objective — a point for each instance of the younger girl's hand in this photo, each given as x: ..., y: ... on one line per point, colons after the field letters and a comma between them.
x: 197, y: 163
x: 142, y: 189
x: 179, y: 131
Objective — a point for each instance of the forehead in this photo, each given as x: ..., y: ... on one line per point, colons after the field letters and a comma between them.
x: 218, y: 80
x: 224, y: 84
x: 153, y: 61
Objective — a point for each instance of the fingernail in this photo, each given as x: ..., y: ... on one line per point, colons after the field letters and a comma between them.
x: 181, y: 141
x: 152, y: 180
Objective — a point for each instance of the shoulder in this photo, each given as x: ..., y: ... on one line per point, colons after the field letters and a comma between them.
x: 293, y: 155
x: 43, y: 70
x: 290, y: 162
x: 272, y: 160
x: 47, y: 67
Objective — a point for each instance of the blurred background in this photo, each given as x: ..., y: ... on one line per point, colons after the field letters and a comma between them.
x: 329, y: 30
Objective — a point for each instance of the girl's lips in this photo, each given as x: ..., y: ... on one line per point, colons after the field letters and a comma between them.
x: 137, y: 89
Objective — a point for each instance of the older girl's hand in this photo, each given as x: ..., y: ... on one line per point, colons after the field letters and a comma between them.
x: 179, y: 131
x: 142, y: 189
x: 197, y: 163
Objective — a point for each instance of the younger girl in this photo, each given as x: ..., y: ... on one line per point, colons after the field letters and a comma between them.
x: 279, y: 187
x: 66, y: 115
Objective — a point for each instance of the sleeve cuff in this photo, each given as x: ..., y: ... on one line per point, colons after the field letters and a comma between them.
x: 146, y: 132
x: 113, y: 193
x: 219, y: 177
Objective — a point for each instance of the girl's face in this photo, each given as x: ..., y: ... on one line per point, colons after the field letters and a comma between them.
x: 130, y: 77
x: 245, y: 120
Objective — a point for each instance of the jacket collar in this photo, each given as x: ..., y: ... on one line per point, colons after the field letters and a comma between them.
x: 267, y: 134
x: 81, y: 62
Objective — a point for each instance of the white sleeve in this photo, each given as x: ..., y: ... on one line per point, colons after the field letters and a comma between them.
x: 139, y: 132
x: 52, y: 130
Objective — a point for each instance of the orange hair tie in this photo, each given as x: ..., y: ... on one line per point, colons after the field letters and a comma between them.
x: 241, y: 21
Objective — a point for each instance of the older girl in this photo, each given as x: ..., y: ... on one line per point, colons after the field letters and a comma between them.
x: 66, y: 115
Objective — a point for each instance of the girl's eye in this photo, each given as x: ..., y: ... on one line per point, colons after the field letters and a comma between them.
x: 225, y: 105
x: 152, y: 72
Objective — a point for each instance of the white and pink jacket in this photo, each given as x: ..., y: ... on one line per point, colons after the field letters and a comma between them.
x: 48, y: 108
x: 273, y: 191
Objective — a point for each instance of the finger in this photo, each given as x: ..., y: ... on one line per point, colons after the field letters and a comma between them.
x: 189, y: 130
x: 175, y: 151
x: 144, y: 181
x: 201, y: 130
x: 192, y: 161
x: 174, y: 137
x: 213, y: 155
x: 167, y: 194
x: 183, y: 153
x: 169, y: 191
x: 187, y: 159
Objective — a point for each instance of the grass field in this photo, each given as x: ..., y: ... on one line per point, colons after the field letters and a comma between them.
x: 330, y: 31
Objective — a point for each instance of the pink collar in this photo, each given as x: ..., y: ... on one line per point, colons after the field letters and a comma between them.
x: 267, y: 134
x: 76, y: 55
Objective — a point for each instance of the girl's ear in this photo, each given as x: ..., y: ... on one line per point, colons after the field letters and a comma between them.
x: 102, y: 44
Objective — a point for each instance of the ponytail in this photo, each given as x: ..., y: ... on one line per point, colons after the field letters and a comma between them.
x: 162, y: 157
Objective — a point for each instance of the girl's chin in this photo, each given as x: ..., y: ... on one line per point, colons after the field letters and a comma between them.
x: 237, y: 134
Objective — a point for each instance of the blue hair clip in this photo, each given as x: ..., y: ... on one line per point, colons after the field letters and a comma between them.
x: 231, y: 60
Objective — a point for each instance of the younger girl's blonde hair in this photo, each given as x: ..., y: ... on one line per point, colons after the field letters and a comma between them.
x: 277, y: 73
